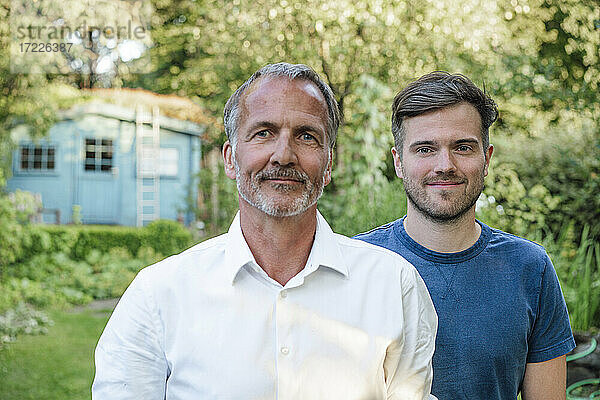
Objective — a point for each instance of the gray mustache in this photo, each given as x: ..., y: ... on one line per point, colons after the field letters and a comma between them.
x: 286, y: 173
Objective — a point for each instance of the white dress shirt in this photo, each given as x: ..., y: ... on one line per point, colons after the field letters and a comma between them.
x: 356, y: 323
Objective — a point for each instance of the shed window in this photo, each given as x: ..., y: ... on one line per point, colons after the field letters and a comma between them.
x: 37, y: 157
x: 169, y: 161
x: 98, y: 155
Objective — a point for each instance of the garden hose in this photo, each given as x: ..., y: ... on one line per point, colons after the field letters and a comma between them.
x: 584, y: 353
x: 576, y: 385
x: 593, y: 381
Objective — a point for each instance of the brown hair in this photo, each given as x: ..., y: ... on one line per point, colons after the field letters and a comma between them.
x: 435, y: 91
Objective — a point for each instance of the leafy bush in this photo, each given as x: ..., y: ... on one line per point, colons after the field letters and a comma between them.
x: 219, y: 199
x: 79, y: 241
x: 166, y: 237
x: 57, y: 280
x: 15, y: 210
x: 578, y: 268
x: 358, y: 209
x: 22, y: 320
x: 566, y: 163
x: 508, y: 204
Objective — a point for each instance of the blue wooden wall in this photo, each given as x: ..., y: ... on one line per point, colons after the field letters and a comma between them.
x: 108, y: 195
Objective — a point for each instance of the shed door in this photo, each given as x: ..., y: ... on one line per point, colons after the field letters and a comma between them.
x: 99, y: 189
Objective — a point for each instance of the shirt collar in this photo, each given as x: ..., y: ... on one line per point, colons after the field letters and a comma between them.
x: 325, y: 251
x: 237, y: 252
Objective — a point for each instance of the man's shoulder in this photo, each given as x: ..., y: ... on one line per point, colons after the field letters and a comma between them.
x: 508, y: 242
x: 388, y: 236
x: 369, y: 262
x: 380, y: 235
x: 358, y: 242
x: 358, y: 251
x: 199, y: 257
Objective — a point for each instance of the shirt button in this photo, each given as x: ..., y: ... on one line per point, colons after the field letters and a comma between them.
x: 285, y: 351
x: 283, y: 294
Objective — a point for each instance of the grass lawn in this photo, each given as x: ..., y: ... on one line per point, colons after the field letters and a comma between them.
x: 56, y: 366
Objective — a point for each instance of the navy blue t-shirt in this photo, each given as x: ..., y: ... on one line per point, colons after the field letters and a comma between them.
x: 499, y: 307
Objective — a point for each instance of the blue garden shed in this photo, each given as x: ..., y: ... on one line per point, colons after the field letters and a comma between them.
x: 125, y: 164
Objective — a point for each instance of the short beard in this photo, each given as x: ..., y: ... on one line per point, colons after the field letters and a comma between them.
x: 441, y: 217
x: 309, y: 197
x: 428, y: 209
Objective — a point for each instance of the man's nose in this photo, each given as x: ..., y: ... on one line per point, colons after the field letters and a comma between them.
x: 284, y: 152
x: 445, y: 162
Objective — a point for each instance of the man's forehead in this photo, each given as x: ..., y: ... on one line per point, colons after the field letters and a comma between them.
x: 261, y: 89
x: 458, y: 121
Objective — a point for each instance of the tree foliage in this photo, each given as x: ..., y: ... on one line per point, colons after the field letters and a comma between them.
x: 537, y: 58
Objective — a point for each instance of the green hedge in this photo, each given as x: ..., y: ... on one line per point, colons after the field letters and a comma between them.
x: 165, y: 237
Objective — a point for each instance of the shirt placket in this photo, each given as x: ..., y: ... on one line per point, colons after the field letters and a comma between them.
x: 285, y: 348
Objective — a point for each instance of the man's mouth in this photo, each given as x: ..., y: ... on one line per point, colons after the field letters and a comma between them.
x: 283, y: 176
x: 447, y: 184
x: 283, y: 180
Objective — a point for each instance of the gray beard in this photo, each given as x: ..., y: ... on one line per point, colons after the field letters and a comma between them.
x: 255, y: 197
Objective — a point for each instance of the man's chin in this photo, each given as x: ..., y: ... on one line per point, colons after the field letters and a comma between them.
x: 444, y: 214
x: 282, y: 211
x: 285, y: 208
x: 280, y: 187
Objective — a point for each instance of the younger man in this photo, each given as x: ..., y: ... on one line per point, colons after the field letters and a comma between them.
x: 503, y: 323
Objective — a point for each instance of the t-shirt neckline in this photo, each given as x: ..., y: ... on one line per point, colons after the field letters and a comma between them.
x: 445, y: 258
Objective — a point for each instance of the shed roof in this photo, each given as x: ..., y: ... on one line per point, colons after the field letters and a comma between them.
x: 170, y: 105
x: 129, y: 114
x: 176, y: 113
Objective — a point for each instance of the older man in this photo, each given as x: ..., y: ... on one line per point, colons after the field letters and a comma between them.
x: 503, y: 323
x: 280, y: 307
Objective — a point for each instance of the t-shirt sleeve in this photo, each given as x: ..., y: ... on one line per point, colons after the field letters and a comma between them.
x: 551, y: 336
x: 130, y: 361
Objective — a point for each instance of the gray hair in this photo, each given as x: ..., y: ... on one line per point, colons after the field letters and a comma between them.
x: 435, y: 91
x: 231, y: 113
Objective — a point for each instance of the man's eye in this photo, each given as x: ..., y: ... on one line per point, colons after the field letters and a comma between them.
x: 464, y: 148
x: 307, y: 137
x: 424, y: 150
x: 262, y: 134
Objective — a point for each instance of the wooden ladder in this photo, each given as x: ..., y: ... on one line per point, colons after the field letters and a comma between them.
x: 147, y: 140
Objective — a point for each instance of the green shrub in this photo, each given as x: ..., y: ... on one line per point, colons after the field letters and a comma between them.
x: 22, y: 319
x: 219, y: 199
x: 78, y: 241
x: 358, y: 209
x: 578, y: 268
x: 56, y: 280
x: 15, y: 210
x: 104, y: 238
x: 38, y: 294
x: 166, y: 237
x: 507, y: 204
x: 566, y: 163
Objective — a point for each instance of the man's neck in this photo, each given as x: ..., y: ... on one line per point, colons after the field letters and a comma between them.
x: 443, y: 237
x: 280, y: 245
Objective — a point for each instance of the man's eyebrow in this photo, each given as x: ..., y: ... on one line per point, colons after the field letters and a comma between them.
x: 461, y: 141
x: 261, y: 124
x: 434, y: 143
x: 307, y: 127
x: 423, y: 142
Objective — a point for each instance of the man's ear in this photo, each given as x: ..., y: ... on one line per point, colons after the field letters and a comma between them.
x: 488, y: 155
x: 397, y: 163
x: 228, y: 160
